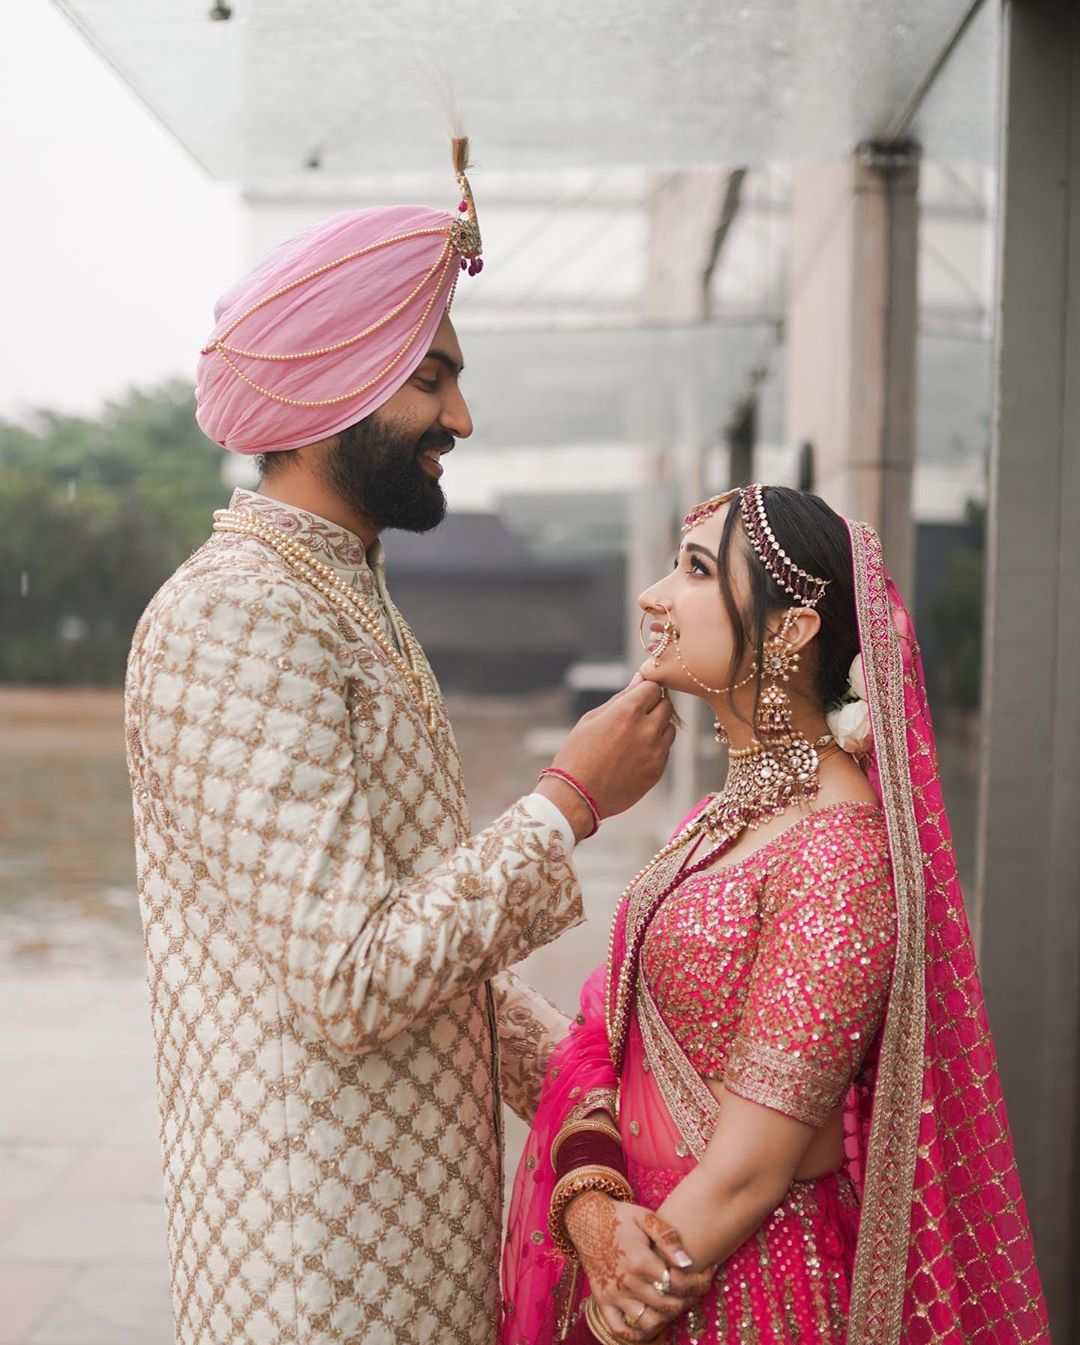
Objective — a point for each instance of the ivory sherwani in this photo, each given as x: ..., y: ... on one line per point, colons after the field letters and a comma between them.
x: 326, y: 951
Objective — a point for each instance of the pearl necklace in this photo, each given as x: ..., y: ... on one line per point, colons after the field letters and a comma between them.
x: 413, y: 667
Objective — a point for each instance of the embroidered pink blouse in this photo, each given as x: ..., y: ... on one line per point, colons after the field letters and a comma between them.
x: 772, y: 972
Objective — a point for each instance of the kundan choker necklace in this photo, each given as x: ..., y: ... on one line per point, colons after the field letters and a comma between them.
x: 764, y: 779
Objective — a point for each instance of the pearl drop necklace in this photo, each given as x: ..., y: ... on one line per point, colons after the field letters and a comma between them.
x: 323, y: 578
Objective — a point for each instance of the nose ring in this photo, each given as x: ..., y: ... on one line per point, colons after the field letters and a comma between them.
x: 658, y: 648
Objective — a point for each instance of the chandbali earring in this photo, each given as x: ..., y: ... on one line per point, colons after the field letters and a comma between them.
x: 772, y: 718
x: 780, y: 663
x: 780, y: 766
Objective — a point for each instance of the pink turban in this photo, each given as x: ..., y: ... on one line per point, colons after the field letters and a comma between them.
x: 329, y: 325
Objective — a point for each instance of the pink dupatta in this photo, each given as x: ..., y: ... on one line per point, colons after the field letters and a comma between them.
x: 945, y: 1254
x: 540, y: 1289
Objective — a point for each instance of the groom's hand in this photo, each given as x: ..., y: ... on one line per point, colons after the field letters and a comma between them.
x: 617, y: 751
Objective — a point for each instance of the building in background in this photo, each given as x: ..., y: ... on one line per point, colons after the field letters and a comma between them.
x: 573, y: 386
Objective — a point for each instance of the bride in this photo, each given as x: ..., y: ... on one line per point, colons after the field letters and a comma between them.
x: 782, y: 1079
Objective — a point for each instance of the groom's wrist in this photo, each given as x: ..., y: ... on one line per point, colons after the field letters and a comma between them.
x: 570, y: 803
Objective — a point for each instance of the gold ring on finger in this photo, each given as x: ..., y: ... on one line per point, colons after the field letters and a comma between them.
x: 663, y: 1286
x: 633, y: 1321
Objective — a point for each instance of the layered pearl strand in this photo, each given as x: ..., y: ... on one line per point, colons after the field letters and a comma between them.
x: 445, y: 261
x: 324, y: 579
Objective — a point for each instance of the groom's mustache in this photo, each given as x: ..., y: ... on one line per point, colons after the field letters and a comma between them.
x: 442, y: 440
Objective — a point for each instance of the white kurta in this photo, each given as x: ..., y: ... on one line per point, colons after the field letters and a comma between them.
x: 327, y: 951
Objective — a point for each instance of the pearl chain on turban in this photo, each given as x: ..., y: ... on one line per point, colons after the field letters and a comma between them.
x: 332, y: 323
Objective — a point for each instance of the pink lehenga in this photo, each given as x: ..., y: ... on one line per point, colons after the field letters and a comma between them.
x: 832, y: 966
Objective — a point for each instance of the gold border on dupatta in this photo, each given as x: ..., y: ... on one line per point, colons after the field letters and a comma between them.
x: 880, y: 1277
x: 689, y: 1099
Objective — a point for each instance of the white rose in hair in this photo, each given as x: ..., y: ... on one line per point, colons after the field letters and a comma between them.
x: 850, y: 726
x: 857, y: 677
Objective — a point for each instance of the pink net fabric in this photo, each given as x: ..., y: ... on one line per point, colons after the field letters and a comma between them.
x: 945, y: 1250
x: 540, y: 1291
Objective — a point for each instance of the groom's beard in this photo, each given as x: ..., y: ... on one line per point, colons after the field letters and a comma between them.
x: 377, y: 471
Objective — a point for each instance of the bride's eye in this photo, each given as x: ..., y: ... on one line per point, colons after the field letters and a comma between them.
x: 697, y: 567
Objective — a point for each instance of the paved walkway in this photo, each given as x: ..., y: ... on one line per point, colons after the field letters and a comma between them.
x: 82, y: 1241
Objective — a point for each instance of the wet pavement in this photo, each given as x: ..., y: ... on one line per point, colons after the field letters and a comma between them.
x: 82, y: 1236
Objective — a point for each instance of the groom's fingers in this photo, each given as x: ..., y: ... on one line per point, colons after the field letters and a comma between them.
x: 646, y: 695
x: 635, y: 681
x: 650, y: 700
x: 667, y: 1242
x: 687, y: 1286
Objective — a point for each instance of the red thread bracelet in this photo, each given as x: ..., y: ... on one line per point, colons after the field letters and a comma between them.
x: 579, y: 789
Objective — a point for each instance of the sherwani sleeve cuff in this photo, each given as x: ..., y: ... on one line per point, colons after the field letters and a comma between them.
x: 541, y: 809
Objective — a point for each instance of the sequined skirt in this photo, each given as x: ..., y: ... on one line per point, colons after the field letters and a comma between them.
x: 790, y: 1282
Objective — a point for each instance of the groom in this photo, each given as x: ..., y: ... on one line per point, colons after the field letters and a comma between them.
x: 328, y: 945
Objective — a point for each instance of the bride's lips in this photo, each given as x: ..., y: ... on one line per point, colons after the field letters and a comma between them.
x: 662, y: 638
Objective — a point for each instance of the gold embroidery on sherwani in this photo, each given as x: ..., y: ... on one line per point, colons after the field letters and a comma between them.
x: 529, y: 1029
x: 318, y: 930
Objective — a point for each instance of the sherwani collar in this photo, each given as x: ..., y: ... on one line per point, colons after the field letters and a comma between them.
x: 363, y: 568
x: 333, y: 544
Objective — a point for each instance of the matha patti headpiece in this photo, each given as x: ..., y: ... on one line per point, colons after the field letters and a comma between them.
x: 806, y: 588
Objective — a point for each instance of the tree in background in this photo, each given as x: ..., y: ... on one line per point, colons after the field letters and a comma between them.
x: 94, y: 516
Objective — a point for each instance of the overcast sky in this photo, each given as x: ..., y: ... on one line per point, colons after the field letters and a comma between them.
x: 115, y: 244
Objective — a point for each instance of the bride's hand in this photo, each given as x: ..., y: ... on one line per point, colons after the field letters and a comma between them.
x: 638, y: 1270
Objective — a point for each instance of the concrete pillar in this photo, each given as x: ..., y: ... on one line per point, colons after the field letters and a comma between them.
x: 689, y: 214
x: 1027, y: 907
x: 851, y: 337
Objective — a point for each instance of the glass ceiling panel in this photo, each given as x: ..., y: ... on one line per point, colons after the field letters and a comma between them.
x: 656, y: 83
